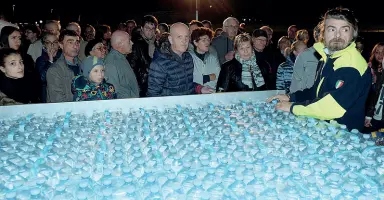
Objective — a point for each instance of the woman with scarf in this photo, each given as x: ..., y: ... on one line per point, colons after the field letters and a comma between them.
x: 242, y: 73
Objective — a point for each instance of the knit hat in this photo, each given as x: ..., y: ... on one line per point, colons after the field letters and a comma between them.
x: 90, y: 45
x: 259, y: 33
x: 89, y: 63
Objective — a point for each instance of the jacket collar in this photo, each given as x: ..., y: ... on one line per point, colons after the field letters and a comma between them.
x: 322, y: 50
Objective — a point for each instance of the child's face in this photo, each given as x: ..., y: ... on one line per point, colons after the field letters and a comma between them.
x: 97, y: 74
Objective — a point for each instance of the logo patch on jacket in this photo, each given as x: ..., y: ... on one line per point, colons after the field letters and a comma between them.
x: 339, y: 84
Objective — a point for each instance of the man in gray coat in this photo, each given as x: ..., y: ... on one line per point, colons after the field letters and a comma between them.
x: 223, y: 44
x: 60, y: 75
x: 118, y: 71
x: 304, y: 69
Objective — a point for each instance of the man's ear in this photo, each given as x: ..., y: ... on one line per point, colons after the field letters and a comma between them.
x: 170, y: 39
x: 2, y: 69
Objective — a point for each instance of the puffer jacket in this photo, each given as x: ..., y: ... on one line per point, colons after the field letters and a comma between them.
x: 171, y: 75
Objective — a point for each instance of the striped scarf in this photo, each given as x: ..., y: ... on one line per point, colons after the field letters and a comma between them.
x: 248, y: 67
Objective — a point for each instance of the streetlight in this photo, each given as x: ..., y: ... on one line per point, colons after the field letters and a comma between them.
x: 13, y: 10
x: 197, y: 10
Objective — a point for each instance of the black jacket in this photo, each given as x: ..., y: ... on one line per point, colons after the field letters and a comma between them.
x: 230, y: 77
x: 140, y: 61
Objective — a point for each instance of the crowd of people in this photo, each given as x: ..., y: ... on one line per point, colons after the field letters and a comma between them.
x: 329, y: 80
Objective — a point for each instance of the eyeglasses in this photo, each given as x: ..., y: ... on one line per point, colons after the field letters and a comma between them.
x: 102, y: 48
x: 261, y: 40
x: 233, y: 27
x: 49, y: 43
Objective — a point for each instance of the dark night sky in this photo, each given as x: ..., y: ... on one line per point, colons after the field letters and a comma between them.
x: 270, y: 12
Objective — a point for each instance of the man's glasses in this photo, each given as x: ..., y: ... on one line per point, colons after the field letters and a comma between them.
x: 49, y: 43
x: 233, y: 27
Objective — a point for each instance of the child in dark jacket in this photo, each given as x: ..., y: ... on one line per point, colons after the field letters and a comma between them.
x: 91, y: 85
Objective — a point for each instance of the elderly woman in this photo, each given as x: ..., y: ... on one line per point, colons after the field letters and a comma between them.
x: 206, y: 64
x: 242, y: 73
x: 49, y: 55
x: 95, y: 48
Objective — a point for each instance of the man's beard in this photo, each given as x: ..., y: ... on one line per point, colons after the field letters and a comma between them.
x: 336, y: 44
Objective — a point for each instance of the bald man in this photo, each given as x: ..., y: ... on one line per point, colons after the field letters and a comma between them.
x: 171, y: 73
x: 118, y: 71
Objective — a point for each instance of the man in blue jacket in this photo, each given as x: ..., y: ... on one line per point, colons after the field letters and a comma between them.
x: 171, y: 73
x: 342, y: 80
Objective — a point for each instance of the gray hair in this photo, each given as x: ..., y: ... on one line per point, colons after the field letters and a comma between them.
x: 225, y: 22
x: 49, y: 34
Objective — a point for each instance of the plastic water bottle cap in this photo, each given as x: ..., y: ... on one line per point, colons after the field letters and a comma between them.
x: 218, y: 179
x: 60, y: 188
x: 154, y: 188
x: 107, y: 192
x: 355, y: 131
x: 197, y: 182
x: 35, y: 191
x: 10, y: 195
x: 83, y: 184
x: 63, y: 177
x: 107, y: 172
x: 85, y: 175
x: 171, y: 176
x: 151, y: 178
x: 130, y: 189
x: 81, y: 195
x: 239, y: 177
x: 326, y: 190
x: 192, y: 173
x: 349, y: 187
x: 366, y: 136
x: 107, y: 182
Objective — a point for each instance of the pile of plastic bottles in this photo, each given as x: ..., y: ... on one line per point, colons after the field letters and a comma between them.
x: 244, y: 150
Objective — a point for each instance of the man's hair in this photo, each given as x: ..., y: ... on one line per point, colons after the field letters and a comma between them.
x: 130, y: 21
x: 301, y: 34
x: 281, y: 40
x: 66, y: 32
x: 33, y: 28
x: 165, y: 26
x: 341, y: 13
x: 225, y: 22
x: 53, y: 22
x: 73, y: 23
x: 207, y: 22
x: 101, y: 30
x: 196, y: 22
x: 46, y: 34
x: 90, y: 26
x: 149, y: 19
x: 317, y: 32
x: 291, y: 26
x: 266, y: 27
